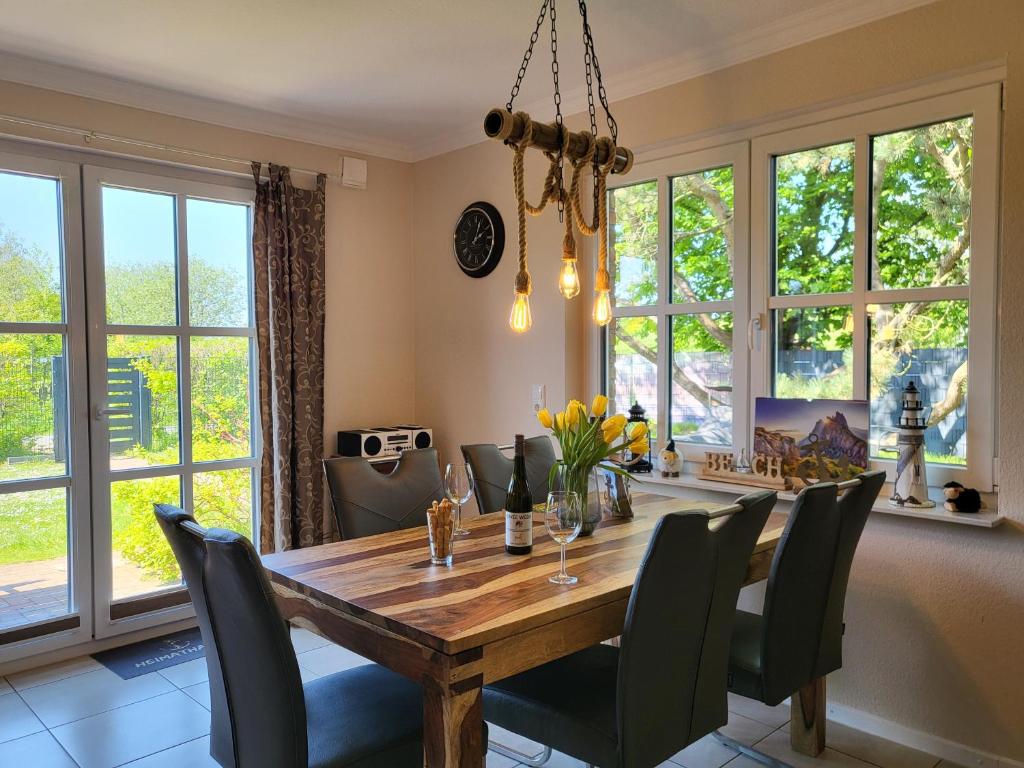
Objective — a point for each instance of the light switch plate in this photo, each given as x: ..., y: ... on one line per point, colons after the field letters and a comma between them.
x: 539, y: 397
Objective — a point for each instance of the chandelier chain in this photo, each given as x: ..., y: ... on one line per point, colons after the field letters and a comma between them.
x: 527, y: 56
x: 590, y: 91
x: 562, y: 134
x: 588, y: 41
x: 589, y: 69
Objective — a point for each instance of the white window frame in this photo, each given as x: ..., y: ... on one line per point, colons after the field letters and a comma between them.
x: 94, y: 179
x: 77, y: 478
x: 979, y: 96
x: 68, y: 166
x: 736, y: 155
x: 983, y: 104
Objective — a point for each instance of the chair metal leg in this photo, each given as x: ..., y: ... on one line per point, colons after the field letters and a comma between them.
x: 534, y: 761
x: 750, y: 752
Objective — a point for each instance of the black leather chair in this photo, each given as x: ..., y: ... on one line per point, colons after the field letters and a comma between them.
x: 263, y: 716
x: 664, y: 688
x: 186, y: 539
x: 798, y: 637
x: 367, y: 502
x: 492, y: 471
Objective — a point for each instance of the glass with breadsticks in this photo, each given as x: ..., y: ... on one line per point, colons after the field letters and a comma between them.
x: 441, y: 531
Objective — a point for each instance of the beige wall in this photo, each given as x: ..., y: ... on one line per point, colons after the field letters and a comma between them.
x: 475, y: 374
x: 935, y: 613
x: 369, y: 348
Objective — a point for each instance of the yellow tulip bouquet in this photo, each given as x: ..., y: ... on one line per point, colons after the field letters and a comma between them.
x: 587, y: 440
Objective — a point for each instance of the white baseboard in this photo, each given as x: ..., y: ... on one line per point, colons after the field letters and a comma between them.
x: 93, y: 646
x: 961, y: 754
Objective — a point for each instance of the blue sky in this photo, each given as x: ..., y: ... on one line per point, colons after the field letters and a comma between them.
x: 28, y: 209
x: 138, y: 226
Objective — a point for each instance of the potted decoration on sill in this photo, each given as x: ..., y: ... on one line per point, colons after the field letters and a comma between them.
x: 589, y: 444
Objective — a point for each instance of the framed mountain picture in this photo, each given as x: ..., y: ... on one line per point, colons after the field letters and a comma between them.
x: 815, y: 439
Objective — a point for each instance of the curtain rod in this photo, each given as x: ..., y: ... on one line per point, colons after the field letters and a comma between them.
x: 89, y: 136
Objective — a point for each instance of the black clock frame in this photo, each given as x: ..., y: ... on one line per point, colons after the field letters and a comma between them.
x: 497, y: 248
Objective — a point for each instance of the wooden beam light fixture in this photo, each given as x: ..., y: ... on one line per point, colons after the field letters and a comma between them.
x: 583, y: 149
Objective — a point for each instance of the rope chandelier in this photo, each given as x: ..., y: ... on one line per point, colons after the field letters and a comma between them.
x: 584, y: 148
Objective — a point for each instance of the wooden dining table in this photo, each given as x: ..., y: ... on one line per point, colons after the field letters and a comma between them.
x: 489, y: 615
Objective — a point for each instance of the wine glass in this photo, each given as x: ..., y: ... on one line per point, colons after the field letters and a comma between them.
x: 458, y: 485
x: 563, y: 517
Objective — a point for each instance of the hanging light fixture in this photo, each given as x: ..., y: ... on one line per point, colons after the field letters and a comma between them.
x: 583, y: 149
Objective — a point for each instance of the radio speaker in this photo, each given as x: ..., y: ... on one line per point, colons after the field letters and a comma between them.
x: 422, y: 437
x: 383, y: 442
x: 360, y: 442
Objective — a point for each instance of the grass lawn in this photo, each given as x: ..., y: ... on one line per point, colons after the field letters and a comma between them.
x: 33, y: 524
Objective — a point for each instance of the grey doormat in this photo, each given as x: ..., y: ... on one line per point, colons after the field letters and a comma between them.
x: 146, y: 656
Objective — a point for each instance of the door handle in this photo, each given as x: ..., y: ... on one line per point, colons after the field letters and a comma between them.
x: 104, y: 412
x: 756, y: 323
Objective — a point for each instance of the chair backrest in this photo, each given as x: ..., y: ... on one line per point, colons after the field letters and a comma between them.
x: 367, y: 502
x: 797, y: 592
x: 854, y: 508
x: 674, y: 652
x: 737, y: 536
x: 261, y: 673
x: 492, y: 471
x: 186, y: 539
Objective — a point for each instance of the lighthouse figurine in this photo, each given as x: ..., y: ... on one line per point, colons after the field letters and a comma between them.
x: 911, y: 486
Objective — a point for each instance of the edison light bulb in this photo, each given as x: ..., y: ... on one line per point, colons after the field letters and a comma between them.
x: 602, y: 308
x: 520, y: 320
x: 568, y: 279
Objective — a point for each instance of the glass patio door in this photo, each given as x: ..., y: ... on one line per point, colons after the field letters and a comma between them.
x: 170, y: 379
x: 45, y: 556
x: 144, y: 397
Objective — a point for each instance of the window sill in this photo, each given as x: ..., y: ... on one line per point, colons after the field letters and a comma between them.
x: 988, y: 517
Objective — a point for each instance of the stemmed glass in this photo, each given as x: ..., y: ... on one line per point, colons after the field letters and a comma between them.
x: 458, y: 484
x: 563, y: 517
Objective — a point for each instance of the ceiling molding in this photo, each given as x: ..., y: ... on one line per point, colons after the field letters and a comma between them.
x: 787, y: 32
x: 127, y: 93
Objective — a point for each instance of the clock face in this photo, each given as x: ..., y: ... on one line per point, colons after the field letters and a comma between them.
x: 479, y: 239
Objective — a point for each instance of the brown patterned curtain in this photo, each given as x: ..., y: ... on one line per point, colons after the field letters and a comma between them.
x: 288, y: 254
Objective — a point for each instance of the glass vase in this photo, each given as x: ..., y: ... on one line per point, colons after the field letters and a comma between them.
x: 586, y: 482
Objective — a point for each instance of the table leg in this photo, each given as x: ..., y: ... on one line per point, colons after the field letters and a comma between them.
x: 807, y: 719
x: 453, y: 727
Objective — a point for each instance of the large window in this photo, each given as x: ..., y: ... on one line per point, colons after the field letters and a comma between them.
x: 42, y: 497
x: 178, y: 334
x: 126, y: 379
x: 855, y: 255
x: 680, y: 254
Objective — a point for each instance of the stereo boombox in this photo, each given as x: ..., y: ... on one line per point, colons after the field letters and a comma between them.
x: 383, y: 442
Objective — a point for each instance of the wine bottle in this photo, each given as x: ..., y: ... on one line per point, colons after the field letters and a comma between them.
x: 519, y: 507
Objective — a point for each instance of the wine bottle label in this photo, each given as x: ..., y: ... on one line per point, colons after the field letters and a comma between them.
x: 518, y: 529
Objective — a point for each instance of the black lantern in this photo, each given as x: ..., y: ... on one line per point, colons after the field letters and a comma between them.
x: 640, y: 462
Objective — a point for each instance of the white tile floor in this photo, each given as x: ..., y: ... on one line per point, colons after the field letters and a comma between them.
x: 77, y: 714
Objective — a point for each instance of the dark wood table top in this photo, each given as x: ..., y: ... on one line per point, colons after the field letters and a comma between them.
x: 486, y: 595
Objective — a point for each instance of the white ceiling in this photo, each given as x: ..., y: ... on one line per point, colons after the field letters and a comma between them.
x: 398, y: 79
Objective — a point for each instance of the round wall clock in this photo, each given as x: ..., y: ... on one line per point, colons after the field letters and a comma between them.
x: 479, y: 239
